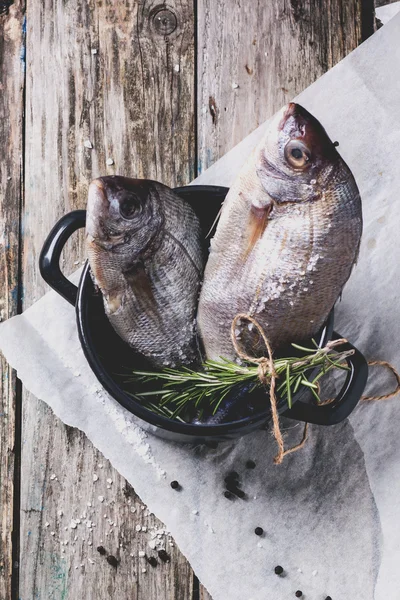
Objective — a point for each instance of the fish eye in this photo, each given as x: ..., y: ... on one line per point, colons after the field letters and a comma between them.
x: 129, y: 206
x: 297, y: 154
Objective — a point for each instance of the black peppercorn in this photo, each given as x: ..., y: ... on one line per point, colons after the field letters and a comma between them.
x: 101, y: 550
x: 335, y: 144
x: 259, y: 531
x: 163, y: 556
x: 250, y: 464
x: 152, y: 561
x: 229, y: 495
x: 236, y: 491
x: 175, y: 485
x: 112, y: 560
x: 278, y: 570
x: 233, y: 489
x: 230, y: 480
x: 299, y: 594
x: 328, y: 598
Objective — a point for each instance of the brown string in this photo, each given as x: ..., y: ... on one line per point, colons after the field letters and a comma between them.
x: 391, y: 368
x: 266, y: 371
x: 371, y: 363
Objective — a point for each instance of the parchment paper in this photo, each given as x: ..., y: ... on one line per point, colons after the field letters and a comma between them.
x: 387, y: 12
x: 331, y: 512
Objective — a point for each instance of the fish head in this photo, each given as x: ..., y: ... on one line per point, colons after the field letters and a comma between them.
x: 297, y: 156
x: 124, y: 215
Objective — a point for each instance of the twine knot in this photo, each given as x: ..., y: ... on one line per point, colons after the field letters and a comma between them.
x: 267, y: 375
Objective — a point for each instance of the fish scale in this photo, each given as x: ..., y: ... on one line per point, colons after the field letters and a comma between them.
x: 296, y: 269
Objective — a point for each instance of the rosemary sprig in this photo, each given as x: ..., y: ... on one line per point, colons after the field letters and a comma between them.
x: 180, y: 389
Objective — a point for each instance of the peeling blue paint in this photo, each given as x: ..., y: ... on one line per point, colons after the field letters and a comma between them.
x: 14, y: 294
x: 23, y: 47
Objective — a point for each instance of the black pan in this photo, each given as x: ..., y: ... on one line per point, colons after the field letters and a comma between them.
x: 106, y: 353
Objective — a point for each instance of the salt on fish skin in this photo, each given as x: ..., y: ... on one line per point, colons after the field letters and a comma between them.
x: 292, y: 219
x: 144, y: 245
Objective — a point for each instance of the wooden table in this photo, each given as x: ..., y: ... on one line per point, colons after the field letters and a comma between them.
x: 161, y: 91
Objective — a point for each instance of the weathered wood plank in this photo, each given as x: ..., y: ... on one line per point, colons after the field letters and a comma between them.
x: 255, y: 57
x: 11, y: 143
x: 383, y: 2
x: 107, y: 73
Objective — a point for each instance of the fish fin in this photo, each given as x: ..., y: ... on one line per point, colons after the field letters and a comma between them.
x: 215, y: 222
x: 113, y: 301
x: 185, y: 251
x: 257, y: 224
x: 139, y: 281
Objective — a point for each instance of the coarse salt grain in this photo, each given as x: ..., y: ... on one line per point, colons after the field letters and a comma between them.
x: 109, y: 480
x: 88, y: 144
x: 100, y: 498
x: 109, y: 162
x: 52, y: 476
x: 142, y: 554
x: 95, y: 477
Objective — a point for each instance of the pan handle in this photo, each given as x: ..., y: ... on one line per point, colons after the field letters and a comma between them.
x: 49, y: 260
x: 347, y: 399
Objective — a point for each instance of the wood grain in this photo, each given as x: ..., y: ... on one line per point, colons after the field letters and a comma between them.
x: 120, y: 75
x: 11, y: 142
x: 253, y: 57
